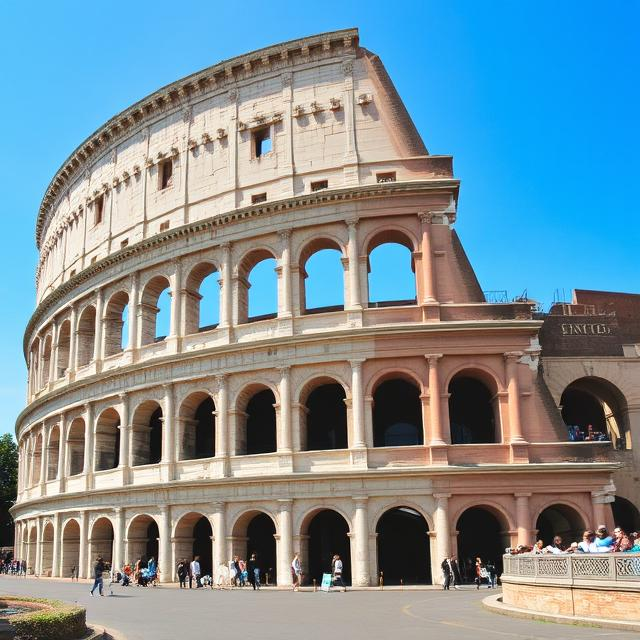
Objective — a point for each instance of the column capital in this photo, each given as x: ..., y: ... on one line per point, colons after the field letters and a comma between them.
x: 284, y: 370
x: 442, y: 496
x: 285, y: 504
x: 522, y: 495
x: 352, y: 222
x: 218, y: 507
x: 356, y: 363
x: 432, y: 358
x: 512, y: 355
x: 123, y: 397
x: 164, y: 509
x: 284, y: 234
x: 360, y: 501
x: 118, y: 510
x: 225, y: 246
x: 426, y: 217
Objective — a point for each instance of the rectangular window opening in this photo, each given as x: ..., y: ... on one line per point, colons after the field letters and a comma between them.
x: 164, y: 225
x: 262, y: 143
x: 319, y: 185
x: 257, y: 198
x: 166, y: 173
x: 93, y: 260
x: 390, y: 176
x: 124, y: 243
x: 98, y: 209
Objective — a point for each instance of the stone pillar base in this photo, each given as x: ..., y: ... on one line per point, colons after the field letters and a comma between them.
x: 438, y: 454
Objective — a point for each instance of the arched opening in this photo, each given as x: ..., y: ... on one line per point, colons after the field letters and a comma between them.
x: 321, y: 277
x: 197, y: 427
x: 37, y: 459
x: 257, y: 287
x: 397, y: 414
x: 326, y: 418
x: 35, y: 365
x: 560, y: 520
x: 46, y: 360
x: 54, y: 450
x: 594, y: 409
x: 70, y: 549
x: 403, y: 528
x: 328, y: 535
x: 86, y: 336
x: 472, y: 411
x: 115, y: 338
x: 146, y: 434
x: 392, y: 280
x: 155, y: 310
x: 107, y: 442
x: 482, y: 533
x: 260, y: 431
x: 626, y: 515
x: 64, y: 346
x: 101, y: 540
x: 203, y: 298
x: 32, y: 549
x: 47, y: 550
x: 75, y: 447
x: 254, y: 532
x: 142, y: 539
x: 193, y: 538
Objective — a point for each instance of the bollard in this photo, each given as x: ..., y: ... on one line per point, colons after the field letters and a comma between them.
x: 314, y: 585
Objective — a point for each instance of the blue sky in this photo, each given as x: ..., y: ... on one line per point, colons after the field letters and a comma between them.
x: 535, y: 100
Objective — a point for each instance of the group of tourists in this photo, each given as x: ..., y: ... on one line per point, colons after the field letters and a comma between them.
x: 235, y: 573
x: 12, y: 566
x: 483, y: 573
x: 593, y: 541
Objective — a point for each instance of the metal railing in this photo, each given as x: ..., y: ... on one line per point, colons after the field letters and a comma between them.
x: 579, y: 567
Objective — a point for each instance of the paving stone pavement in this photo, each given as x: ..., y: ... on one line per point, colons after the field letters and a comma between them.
x: 168, y: 613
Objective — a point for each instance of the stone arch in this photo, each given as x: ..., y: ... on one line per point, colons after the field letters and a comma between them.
x: 86, y: 335
x: 70, y: 561
x: 197, y: 426
x: 595, y: 401
x: 146, y: 433
x: 75, y: 446
x: 114, y: 322
x: 53, y: 447
x: 64, y: 348
x: 254, y: 531
x: 249, y: 261
x: 307, y: 284
x: 150, y: 308
x: 562, y: 518
x: 37, y: 459
x: 46, y: 567
x: 143, y: 535
x: 626, y: 514
x: 256, y: 424
x: 101, y: 539
x: 324, y: 423
x: 195, y: 300
x: 107, y: 440
x: 35, y: 364
x: 192, y: 537
x: 474, y: 411
x: 46, y: 358
x: 382, y: 375
x: 406, y: 528
x: 32, y: 549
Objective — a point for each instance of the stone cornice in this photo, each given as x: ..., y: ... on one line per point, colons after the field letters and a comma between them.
x: 176, y: 95
x: 317, y: 198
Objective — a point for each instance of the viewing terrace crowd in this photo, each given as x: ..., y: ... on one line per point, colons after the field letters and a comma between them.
x: 598, y: 541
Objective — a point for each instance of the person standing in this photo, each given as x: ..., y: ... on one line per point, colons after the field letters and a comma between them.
x: 195, y: 572
x: 254, y: 571
x: 296, y: 572
x: 447, y: 574
x: 337, y: 573
x: 97, y: 575
x: 183, y: 572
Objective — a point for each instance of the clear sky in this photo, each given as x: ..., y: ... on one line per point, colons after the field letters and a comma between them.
x: 536, y: 100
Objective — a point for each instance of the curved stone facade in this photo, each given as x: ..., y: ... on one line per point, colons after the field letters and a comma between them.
x: 328, y: 421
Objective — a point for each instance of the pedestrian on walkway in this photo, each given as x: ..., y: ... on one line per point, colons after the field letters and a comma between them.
x: 296, y: 572
x: 97, y: 575
x: 254, y: 571
x: 337, y: 573
x: 183, y: 571
x: 448, y: 573
x: 194, y: 573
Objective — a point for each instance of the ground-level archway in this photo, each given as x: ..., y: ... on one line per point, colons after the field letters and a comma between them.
x: 70, y: 561
x: 254, y: 532
x: 32, y: 546
x: 46, y: 567
x: 560, y: 520
x: 328, y: 535
x: 626, y: 515
x: 482, y: 533
x: 142, y: 539
x: 404, y: 555
x: 101, y: 540
x: 193, y: 538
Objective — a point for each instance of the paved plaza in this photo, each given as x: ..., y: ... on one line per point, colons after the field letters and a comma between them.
x: 166, y: 613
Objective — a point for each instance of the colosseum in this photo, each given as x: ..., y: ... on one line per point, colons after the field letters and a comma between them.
x: 368, y: 428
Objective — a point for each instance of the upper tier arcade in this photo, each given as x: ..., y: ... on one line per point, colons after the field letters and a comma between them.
x: 292, y: 119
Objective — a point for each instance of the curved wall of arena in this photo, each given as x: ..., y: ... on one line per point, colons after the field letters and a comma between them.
x: 277, y: 154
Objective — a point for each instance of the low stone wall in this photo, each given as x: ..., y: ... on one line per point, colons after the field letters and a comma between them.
x: 589, y: 586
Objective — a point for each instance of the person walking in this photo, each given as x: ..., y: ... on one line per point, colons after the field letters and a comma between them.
x: 447, y: 574
x: 296, y: 572
x: 254, y: 571
x: 337, y: 573
x: 194, y: 573
x: 97, y: 575
x: 183, y: 571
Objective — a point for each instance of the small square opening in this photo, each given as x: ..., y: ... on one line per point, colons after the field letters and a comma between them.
x: 98, y: 209
x: 257, y: 198
x: 262, y: 143
x: 319, y: 185
x: 166, y: 173
x: 390, y: 176
x: 164, y: 225
x: 124, y: 243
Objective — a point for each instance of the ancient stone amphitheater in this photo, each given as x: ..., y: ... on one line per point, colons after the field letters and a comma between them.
x: 367, y: 428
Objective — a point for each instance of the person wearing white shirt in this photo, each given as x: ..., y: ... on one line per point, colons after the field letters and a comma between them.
x: 194, y: 573
x: 296, y: 572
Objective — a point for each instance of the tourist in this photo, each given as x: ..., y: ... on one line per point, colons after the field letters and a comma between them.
x: 588, y: 544
x: 296, y: 572
x: 538, y: 547
x: 481, y: 574
x: 236, y: 567
x: 337, y: 573
x: 621, y: 541
x: 556, y: 547
x: 233, y: 572
x: 194, y: 573
x: 447, y: 574
x: 97, y: 574
x: 183, y: 571
x: 254, y: 571
x: 243, y: 572
x: 604, y: 542
x: 74, y: 573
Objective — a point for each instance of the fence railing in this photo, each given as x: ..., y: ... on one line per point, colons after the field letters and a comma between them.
x: 616, y: 567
